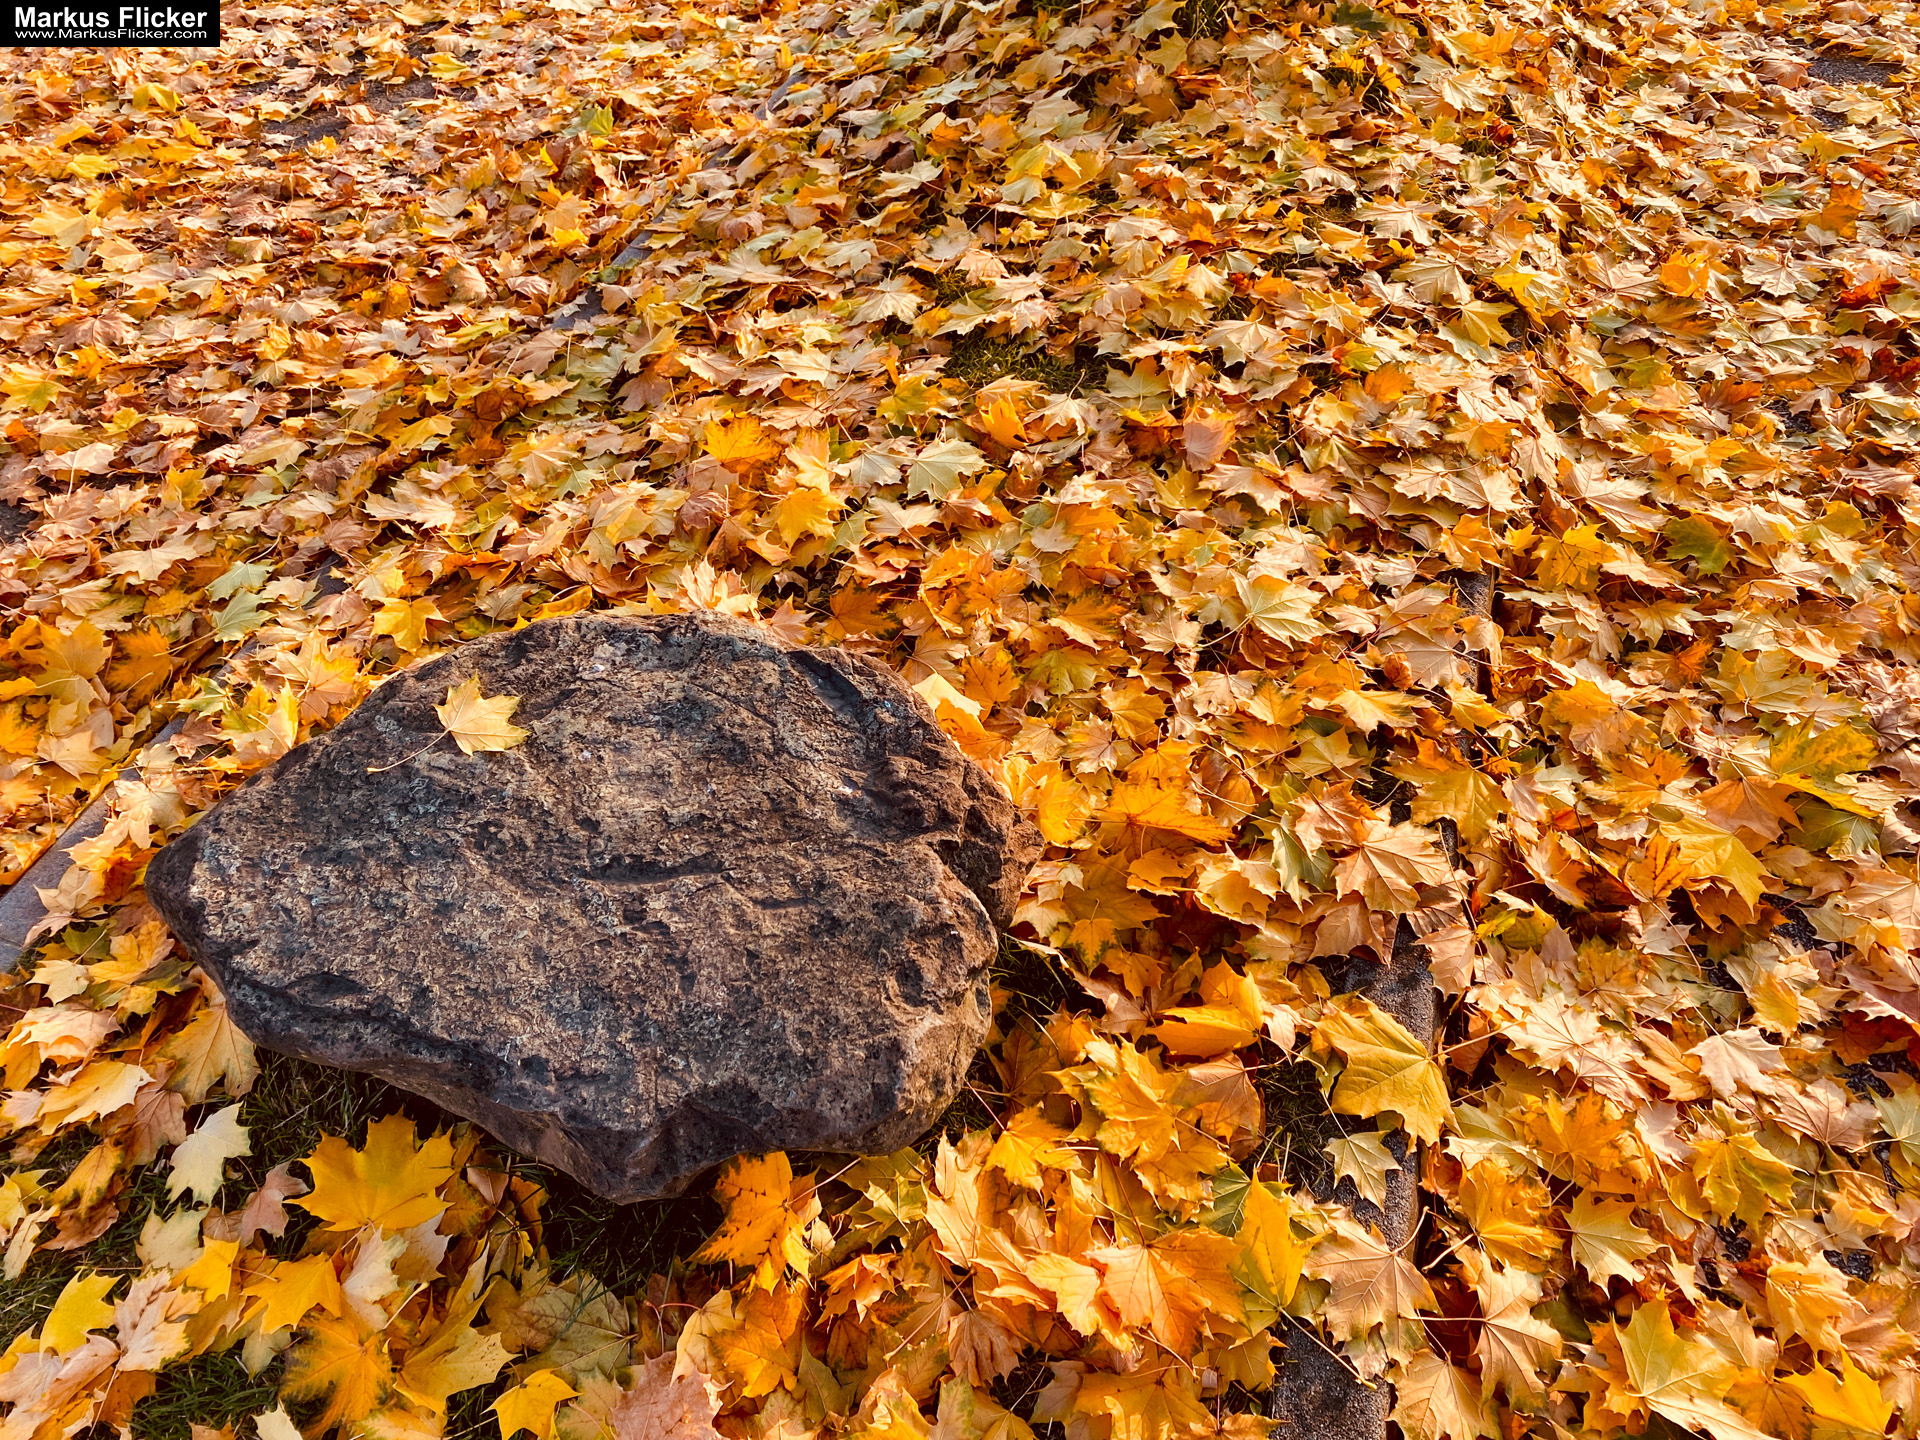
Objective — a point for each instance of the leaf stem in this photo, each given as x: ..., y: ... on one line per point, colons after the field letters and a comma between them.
x: 382, y: 769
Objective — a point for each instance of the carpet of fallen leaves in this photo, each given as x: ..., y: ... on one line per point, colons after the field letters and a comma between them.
x: 1442, y: 470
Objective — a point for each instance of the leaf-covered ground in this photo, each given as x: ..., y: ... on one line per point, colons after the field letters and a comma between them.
x: 1442, y: 465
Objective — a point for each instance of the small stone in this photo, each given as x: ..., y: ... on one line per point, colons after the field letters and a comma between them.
x: 730, y: 895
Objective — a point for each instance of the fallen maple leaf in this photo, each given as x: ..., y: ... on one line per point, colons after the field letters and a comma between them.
x: 478, y: 724
x: 1388, y: 864
x: 456, y: 1357
x: 265, y: 1210
x: 199, y: 1161
x: 1386, y: 1068
x: 1514, y: 1348
x: 1850, y: 1401
x: 1271, y: 1255
x: 766, y: 1207
x: 530, y: 1404
x: 1372, y: 1282
x: 662, y: 1403
x: 79, y: 1309
x: 1605, y: 1239
x: 1436, y: 1400
x: 392, y: 1182
x: 342, y: 1365
x: 293, y: 1289
x: 1681, y: 1379
x: 208, y: 1050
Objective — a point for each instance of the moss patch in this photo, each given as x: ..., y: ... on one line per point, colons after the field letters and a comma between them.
x: 1299, y: 1123
x: 1203, y: 19
x: 980, y: 359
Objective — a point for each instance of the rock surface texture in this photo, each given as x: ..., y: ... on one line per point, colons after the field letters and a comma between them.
x: 729, y: 896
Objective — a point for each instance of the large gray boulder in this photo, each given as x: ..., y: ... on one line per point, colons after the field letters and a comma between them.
x: 730, y: 895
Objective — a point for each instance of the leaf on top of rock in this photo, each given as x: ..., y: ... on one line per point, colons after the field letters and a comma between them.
x: 477, y: 723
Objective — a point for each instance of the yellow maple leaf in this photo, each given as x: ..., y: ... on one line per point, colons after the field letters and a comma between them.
x: 145, y: 664
x: 87, y: 1182
x: 1595, y: 725
x: 806, y: 511
x: 1591, y: 1142
x: 1271, y: 1255
x: 342, y: 1363
x: 740, y: 443
x: 1278, y: 608
x: 1841, y: 212
x: 1680, y: 1379
x: 208, y: 1049
x: 1435, y: 1400
x: 888, y: 1410
x: 264, y: 726
x: 99, y: 1088
x: 293, y: 1289
x: 1605, y: 1239
x: 1242, y: 890
x: 328, y: 675
x: 1134, y: 1108
x: 1230, y: 1016
x: 1479, y: 322
x: 73, y: 656
x: 1028, y: 1142
x: 753, y: 1189
x: 1156, y: 794
x: 1002, y: 423
x: 1059, y: 805
x: 406, y: 621
x: 1814, y: 762
x: 1686, y: 275
x: 753, y: 1340
x: 1146, y: 1291
x: 1704, y: 852
x: 19, y: 735
x: 949, y: 704
x: 1372, y: 1282
x: 1807, y: 1301
x: 1364, y: 1159
x: 1387, y: 1067
x: 199, y: 1161
x: 79, y: 1310
x: 1507, y: 1211
x: 1849, y: 1402
x: 1450, y: 788
x: 766, y: 1208
x: 479, y: 724
x: 1154, y: 1402
x: 211, y: 1272
x: 1514, y: 1348
x: 1075, y: 1286
x: 1740, y: 1177
x: 391, y: 1183
x: 456, y: 1358
x: 1171, y: 1285
x: 1802, y: 750
x: 1388, y: 865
